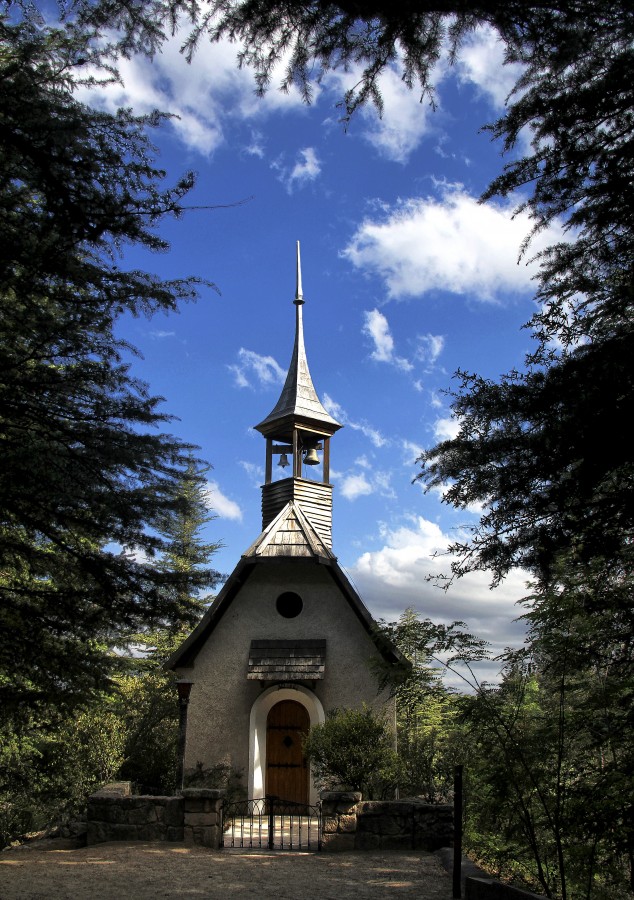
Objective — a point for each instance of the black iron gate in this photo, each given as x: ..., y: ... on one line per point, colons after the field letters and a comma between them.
x: 272, y: 824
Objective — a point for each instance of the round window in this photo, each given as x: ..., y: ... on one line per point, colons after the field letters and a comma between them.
x: 289, y: 605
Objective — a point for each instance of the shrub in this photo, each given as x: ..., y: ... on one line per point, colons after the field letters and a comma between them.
x: 354, y: 750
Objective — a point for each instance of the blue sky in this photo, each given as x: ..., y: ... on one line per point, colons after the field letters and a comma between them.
x: 406, y: 279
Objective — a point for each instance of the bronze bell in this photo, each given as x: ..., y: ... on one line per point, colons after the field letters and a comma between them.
x: 311, y: 458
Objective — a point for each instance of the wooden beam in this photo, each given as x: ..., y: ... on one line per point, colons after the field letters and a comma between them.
x: 297, y: 456
x: 269, y: 461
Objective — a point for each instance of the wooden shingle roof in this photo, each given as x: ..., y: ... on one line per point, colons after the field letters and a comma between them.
x: 278, y: 660
x: 290, y: 534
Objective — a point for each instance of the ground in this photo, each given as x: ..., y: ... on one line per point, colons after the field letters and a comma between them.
x: 117, y: 871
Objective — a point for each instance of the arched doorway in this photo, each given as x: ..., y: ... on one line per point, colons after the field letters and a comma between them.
x: 260, y: 710
x: 287, y: 771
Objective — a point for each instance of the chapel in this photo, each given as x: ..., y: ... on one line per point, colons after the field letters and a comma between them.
x: 288, y: 637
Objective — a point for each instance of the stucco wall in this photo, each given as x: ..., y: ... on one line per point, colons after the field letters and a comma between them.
x: 222, y: 698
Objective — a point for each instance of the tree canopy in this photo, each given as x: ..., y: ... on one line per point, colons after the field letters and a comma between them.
x: 87, y: 471
x: 147, y: 702
x: 52, y: 758
x: 550, y: 751
x: 535, y: 447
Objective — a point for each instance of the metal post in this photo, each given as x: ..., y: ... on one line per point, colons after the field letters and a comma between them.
x: 184, y: 690
x: 457, y: 832
x: 271, y: 801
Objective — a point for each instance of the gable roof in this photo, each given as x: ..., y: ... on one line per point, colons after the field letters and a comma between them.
x: 273, y: 545
x: 289, y: 534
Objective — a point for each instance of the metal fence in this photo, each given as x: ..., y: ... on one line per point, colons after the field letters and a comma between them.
x: 271, y: 824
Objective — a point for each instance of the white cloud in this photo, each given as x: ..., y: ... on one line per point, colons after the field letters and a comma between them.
x: 169, y: 84
x: 250, y: 364
x: 481, y: 63
x: 411, y: 452
x: 376, y: 327
x: 404, y: 123
x: 221, y: 504
x: 397, y: 576
x: 362, y: 484
x: 405, y: 120
x: 450, y: 243
x: 254, y: 472
x: 307, y: 168
x: 430, y: 346
x: 205, y: 96
x: 159, y: 335
x: 338, y: 413
x: 209, y: 94
x: 446, y: 428
x: 256, y: 147
x: 353, y: 486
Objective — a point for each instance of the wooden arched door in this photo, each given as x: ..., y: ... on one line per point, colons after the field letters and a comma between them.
x: 287, y: 771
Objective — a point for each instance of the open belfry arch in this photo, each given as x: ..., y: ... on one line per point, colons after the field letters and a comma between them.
x: 287, y: 637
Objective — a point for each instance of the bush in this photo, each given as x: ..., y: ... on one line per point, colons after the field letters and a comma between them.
x: 48, y: 767
x: 354, y: 750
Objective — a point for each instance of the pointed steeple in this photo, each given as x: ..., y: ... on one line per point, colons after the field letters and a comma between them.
x: 298, y: 400
x: 298, y: 426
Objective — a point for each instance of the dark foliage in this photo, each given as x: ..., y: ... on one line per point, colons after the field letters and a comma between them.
x: 86, y: 474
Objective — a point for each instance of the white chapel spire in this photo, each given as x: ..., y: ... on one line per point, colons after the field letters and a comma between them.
x: 298, y: 400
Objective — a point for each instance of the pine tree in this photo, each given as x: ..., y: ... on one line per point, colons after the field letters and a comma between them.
x: 148, y: 697
x: 186, y: 556
x: 87, y: 476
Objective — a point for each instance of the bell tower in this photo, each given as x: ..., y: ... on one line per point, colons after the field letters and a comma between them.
x: 298, y: 431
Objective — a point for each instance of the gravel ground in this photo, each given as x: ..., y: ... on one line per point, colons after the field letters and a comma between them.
x: 118, y: 871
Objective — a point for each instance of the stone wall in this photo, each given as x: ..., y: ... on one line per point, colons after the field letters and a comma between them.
x: 193, y: 817
x: 141, y: 818
x: 350, y: 823
x: 202, y: 816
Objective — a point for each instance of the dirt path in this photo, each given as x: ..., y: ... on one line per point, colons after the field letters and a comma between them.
x: 139, y: 871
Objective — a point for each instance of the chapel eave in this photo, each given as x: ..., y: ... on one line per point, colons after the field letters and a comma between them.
x: 281, y: 427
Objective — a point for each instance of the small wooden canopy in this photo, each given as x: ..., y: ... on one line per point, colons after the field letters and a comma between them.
x: 276, y: 660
